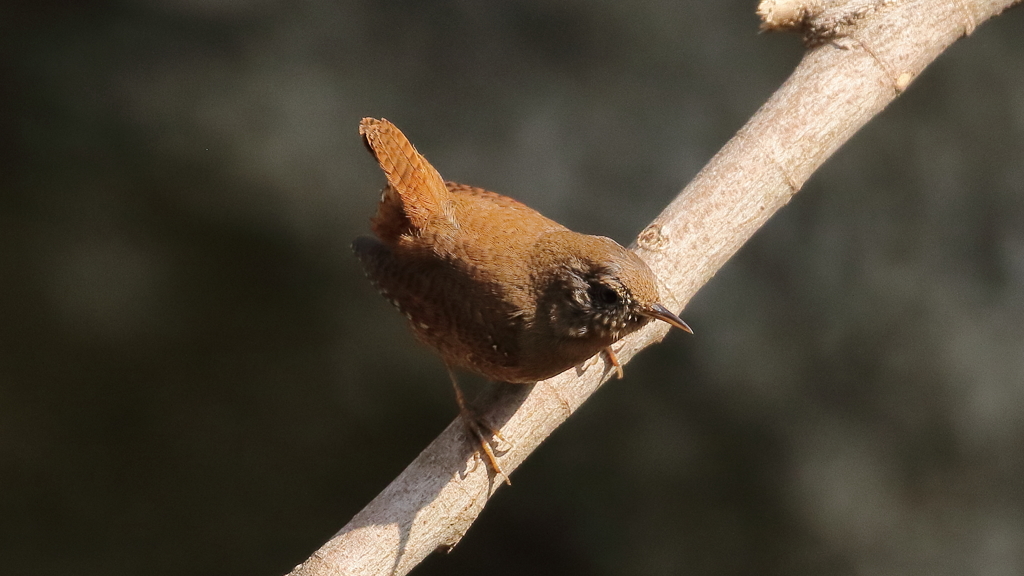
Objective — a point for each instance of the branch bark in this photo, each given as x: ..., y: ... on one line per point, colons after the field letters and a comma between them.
x: 865, y: 53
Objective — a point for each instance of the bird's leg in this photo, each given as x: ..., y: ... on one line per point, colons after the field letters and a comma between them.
x: 614, y: 361
x: 478, y: 428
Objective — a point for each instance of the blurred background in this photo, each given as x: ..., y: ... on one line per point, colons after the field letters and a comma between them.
x: 196, y: 378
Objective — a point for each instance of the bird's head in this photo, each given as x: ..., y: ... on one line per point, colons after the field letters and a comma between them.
x: 598, y: 290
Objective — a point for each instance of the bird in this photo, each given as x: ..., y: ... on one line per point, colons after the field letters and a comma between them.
x: 491, y: 285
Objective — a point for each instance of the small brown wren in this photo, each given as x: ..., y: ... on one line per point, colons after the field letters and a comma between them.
x: 490, y: 284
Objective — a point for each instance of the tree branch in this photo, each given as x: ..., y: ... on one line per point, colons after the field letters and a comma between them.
x: 865, y: 53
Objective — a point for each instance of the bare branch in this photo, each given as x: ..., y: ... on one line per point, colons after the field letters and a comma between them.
x: 866, y: 53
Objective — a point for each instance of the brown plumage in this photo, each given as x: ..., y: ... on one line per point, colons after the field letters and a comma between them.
x: 490, y: 284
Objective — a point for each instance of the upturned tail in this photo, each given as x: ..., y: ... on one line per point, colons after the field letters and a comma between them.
x: 416, y: 193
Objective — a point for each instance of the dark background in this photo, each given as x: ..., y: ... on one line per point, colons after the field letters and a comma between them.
x: 195, y: 377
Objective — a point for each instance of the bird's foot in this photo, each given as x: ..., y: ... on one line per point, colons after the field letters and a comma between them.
x: 614, y: 360
x: 484, y: 434
x: 481, y: 430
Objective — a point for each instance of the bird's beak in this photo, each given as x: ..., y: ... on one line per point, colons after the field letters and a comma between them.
x: 659, y: 312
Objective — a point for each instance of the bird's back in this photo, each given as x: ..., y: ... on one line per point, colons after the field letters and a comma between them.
x: 465, y: 290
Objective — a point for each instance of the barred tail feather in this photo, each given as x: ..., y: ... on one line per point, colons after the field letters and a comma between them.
x: 413, y: 182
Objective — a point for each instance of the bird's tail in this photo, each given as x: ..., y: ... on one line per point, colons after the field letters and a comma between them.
x: 416, y: 193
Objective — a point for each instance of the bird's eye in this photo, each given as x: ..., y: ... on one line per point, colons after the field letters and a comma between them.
x: 601, y: 294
